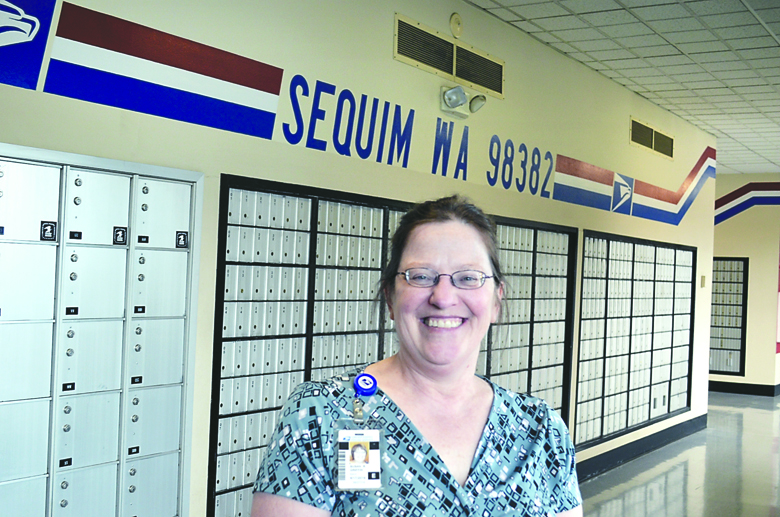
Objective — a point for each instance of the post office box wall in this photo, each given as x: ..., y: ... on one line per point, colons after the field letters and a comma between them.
x: 89, y: 356
x: 24, y: 445
x: 86, y: 428
x: 87, y: 492
x: 25, y: 373
x: 29, y: 210
x: 27, y: 297
x: 162, y: 214
x: 96, y: 208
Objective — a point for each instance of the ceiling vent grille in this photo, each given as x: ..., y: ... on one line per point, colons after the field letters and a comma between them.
x: 430, y: 50
x: 646, y: 136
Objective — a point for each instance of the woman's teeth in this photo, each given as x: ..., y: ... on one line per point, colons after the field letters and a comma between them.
x: 446, y: 323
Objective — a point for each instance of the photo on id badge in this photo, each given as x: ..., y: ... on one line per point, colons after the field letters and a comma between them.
x: 359, y: 459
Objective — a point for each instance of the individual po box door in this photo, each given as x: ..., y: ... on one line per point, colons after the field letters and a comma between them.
x: 93, y: 282
x: 155, y: 352
x: 159, y: 283
x: 25, y: 497
x: 152, y: 420
x: 27, y: 273
x: 89, y: 356
x: 150, y: 487
x: 25, y: 371
x: 96, y: 208
x: 29, y: 202
x: 162, y: 214
x: 88, y: 492
x: 24, y: 439
x: 86, y: 428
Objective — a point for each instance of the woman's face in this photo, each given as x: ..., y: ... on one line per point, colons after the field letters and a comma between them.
x: 442, y: 325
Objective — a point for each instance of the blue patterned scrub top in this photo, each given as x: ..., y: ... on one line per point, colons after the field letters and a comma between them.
x: 523, y: 466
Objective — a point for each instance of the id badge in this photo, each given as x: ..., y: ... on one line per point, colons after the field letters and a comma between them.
x: 359, y: 459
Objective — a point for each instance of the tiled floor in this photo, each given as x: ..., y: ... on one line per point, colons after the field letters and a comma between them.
x: 731, y: 469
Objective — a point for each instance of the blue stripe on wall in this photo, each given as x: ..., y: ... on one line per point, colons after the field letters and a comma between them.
x: 100, y: 87
x: 580, y: 196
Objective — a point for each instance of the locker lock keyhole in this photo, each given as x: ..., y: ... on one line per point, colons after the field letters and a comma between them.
x: 141, y: 260
x: 141, y: 278
x: 78, y: 182
x: 131, y: 489
x: 138, y: 330
x: 66, y: 410
x: 66, y: 428
x: 64, y: 485
x: 132, y: 472
x: 70, y: 352
x: 137, y: 348
x: 145, y: 190
x: 73, y: 276
x: 134, y: 418
x: 76, y: 200
x: 71, y: 333
x: 64, y: 503
x: 135, y: 403
x: 144, y: 207
x: 74, y: 258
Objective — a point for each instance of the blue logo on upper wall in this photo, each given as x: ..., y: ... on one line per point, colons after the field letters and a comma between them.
x: 24, y: 29
x: 622, y: 190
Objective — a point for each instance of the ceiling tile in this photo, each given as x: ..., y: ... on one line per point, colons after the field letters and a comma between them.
x: 704, y: 46
x: 728, y: 20
x: 648, y: 40
x: 504, y: 14
x: 690, y: 36
x: 692, y: 77
x: 656, y: 79
x: 760, y: 53
x: 604, y: 18
x: 630, y: 29
x: 684, y: 61
x: 544, y: 10
x: 485, y: 4
x: 703, y: 85
x: 663, y: 50
x: 578, y: 34
x: 564, y: 47
x: 676, y: 25
x: 706, y: 7
x: 751, y: 43
x: 513, y: 3
x: 589, y: 6
x: 769, y: 12
x: 771, y: 63
x: 605, y: 55
x: 545, y: 37
x: 599, y: 44
x: 527, y: 27
x: 581, y: 57
x: 729, y: 75
x: 742, y: 31
x: 625, y: 64
x: 726, y: 66
x: 755, y: 89
x: 713, y: 57
x: 661, y: 12
x: 640, y: 72
x: 645, y: 3
x: 557, y: 23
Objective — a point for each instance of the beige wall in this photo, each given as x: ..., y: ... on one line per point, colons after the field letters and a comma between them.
x: 551, y: 102
x: 755, y: 234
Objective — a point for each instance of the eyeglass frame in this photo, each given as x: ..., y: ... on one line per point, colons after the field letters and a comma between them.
x: 482, y: 275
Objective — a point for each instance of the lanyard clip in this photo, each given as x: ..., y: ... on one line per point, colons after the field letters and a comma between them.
x: 365, y: 386
x: 357, y: 411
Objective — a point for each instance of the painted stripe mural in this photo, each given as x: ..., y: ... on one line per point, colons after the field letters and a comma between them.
x: 587, y: 185
x: 103, y: 59
x: 746, y: 196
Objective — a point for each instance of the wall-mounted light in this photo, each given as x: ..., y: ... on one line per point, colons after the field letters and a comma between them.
x: 457, y: 103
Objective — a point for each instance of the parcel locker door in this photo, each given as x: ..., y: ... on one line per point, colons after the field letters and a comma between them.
x: 24, y: 439
x: 96, y: 208
x: 27, y: 274
x: 155, y: 355
x: 25, y: 497
x: 29, y: 202
x: 152, y: 421
x: 150, y: 487
x: 159, y: 283
x: 86, y: 428
x: 93, y: 282
x: 25, y: 370
x: 89, y: 357
x: 162, y: 214
x: 89, y: 492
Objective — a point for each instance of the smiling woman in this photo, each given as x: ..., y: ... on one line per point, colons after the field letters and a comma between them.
x: 450, y: 442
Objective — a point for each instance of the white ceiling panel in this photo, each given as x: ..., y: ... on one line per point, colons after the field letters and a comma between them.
x: 715, y: 63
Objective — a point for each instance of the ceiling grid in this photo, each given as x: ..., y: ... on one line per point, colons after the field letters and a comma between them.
x: 715, y: 63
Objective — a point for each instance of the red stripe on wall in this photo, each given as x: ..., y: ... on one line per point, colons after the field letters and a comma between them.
x: 745, y: 190
x: 572, y: 167
x: 111, y: 33
x: 652, y: 191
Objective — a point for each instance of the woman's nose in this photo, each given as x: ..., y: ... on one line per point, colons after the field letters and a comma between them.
x: 444, y: 294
